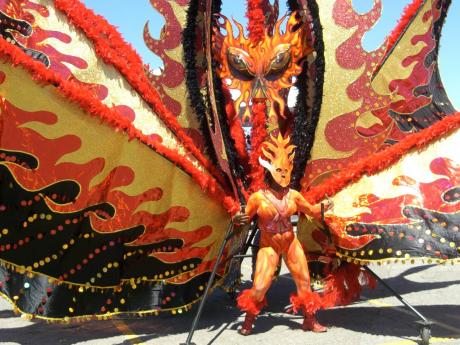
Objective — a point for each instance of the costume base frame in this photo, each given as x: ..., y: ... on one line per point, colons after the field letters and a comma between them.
x: 424, y: 324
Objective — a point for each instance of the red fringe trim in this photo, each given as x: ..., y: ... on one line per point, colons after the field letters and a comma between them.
x: 246, y: 302
x: 110, y: 46
x: 409, y: 11
x: 258, y: 135
x: 346, y: 284
x: 309, y: 303
x: 384, y: 159
x: 236, y: 129
x: 256, y: 20
x: 85, y: 100
x: 342, y: 288
x: 256, y: 29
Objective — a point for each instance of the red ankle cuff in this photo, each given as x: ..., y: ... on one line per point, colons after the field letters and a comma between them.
x: 246, y: 302
x: 309, y: 303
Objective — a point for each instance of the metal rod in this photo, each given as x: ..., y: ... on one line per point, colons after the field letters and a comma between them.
x: 251, y: 237
x: 398, y: 296
x: 228, y: 235
x: 242, y: 256
x: 325, y: 228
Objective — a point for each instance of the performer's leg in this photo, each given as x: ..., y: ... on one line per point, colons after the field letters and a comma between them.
x: 305, y: 300
x: 253, y: 300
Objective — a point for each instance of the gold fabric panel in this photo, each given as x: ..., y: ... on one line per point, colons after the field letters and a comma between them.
x: 119, y: 90
x: 99, y: 142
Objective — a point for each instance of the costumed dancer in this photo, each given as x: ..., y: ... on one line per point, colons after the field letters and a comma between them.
x: 274, y: 207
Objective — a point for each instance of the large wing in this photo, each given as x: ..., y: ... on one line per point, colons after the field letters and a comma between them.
x: 99, y: 214
x: 373, y: 99
x: 401, y: 203
x: 171, y: 82
x: 84, y: 48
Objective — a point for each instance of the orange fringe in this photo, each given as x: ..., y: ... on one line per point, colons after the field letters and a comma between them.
x: 381, y: 160
x: 342, y: 288
x: 346, y: 284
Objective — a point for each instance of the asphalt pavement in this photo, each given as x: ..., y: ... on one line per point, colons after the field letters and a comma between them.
x: 377, y: 319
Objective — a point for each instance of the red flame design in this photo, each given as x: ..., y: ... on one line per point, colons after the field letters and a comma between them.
x: 351, y: 55
x: 390, y: 210
x: 50, y: 151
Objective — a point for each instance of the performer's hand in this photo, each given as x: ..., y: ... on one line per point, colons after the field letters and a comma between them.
x: 316, y: 209
x: 241, y: 218
x: 328, y: 204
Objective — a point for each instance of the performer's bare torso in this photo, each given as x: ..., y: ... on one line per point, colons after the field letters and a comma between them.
x: 274, y: 210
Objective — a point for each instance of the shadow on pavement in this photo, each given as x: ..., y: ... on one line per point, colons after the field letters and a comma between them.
x: 391, y: 321
x: 220, y: 313
x: 404, y: 285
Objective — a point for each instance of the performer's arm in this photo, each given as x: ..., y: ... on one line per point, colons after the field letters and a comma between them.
x: 305, y: 207
x: 253, y: 205
x: 312, y: 210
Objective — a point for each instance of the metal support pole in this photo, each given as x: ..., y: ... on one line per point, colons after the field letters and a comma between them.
x: 228, y: 235
x: 251, y: 237
x: 242, y: 256
x: 398, y: 296
x: 424, y: 324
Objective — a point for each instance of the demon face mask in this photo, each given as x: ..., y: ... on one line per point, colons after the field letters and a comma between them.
x: 263, y: 71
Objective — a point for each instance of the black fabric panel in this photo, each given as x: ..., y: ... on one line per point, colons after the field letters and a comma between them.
x: 36, y: 295
x: 430, y: 234
x: 55, y: 264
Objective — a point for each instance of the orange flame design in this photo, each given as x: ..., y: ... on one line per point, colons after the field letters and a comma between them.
x: 281, y: 154
x: 264, y: 70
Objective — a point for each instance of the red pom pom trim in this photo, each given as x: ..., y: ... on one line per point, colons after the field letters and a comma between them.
x: 258, y: 135
x: 246, y: 302
x: 308, y: 303
x: 256, y: 20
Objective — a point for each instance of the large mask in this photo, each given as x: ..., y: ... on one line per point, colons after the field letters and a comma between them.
x: 280, y: 157
x: 261, y: 71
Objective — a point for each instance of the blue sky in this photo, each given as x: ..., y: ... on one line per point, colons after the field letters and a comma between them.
x: 130, y: 18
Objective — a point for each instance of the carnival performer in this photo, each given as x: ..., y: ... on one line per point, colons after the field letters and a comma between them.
x: 274, y: 207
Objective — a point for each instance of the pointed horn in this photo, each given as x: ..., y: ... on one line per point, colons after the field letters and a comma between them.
x: 271, y: 147
x: 265, y: 164
x: 267, y: 154
x: 290, y: 149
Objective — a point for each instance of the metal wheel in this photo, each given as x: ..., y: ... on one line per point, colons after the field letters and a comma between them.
x: 425, y: 334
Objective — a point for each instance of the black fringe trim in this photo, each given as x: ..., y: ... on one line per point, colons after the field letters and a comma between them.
x: 438, y: 26
x: 189, y: 39
x: 233, y: 158
x: 306, y: 115
x: 197, y: 101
